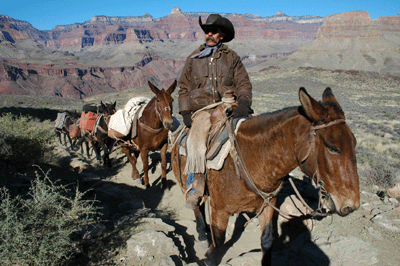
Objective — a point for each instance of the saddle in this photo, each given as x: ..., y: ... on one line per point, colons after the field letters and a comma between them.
x: 219, y: 146
x: 203, y: 142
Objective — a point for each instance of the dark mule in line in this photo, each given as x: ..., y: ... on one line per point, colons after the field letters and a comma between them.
x: 313, y: 136
x: 152, y: 134
x: 102, y: 142
x: 98, y: 138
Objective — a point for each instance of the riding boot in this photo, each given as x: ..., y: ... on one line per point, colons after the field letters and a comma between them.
x: 193, y: 198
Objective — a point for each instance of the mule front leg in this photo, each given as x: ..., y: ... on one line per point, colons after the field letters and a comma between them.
x: 267, y: 233
x: 145, y: 160
x: 106, y: 155
x: 69, y: 139
x: 199, y: 214
x: 163, y: 153
x: 219, y: 222
x: 87, y: 149
x: 132, y: 160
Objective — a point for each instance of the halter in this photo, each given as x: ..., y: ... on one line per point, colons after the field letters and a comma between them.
x: 322, y: 192
x: 241, y: 167
x: 155, y: 130
x: 159, y: 113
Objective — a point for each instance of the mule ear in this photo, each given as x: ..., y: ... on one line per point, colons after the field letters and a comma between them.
x: 328, y: 96
x: 114, y: 105
x: 172, y: 88
x: 153, y: 88
x: 313, y: 109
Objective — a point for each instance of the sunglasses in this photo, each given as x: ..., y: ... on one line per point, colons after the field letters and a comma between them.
x: 213, y: 30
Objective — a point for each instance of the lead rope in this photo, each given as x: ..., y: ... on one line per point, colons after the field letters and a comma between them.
x: 239, y: 165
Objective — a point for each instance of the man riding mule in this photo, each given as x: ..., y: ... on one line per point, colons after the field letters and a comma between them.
x: 209, y: 72
x: 313, y: 136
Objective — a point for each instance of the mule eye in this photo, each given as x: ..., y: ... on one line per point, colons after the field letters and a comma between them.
x: 333, y: 149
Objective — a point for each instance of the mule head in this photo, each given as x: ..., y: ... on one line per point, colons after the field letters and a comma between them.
x: 107, y: 108
x: 328, y: 154
x: 163, y: 104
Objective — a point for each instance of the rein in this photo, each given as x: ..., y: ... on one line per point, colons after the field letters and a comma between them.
x: 241, y: 167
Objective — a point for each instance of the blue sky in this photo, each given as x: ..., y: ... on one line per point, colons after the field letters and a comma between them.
x: 46, y: 14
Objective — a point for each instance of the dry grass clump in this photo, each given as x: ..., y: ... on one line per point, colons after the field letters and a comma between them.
x: 376, y: 170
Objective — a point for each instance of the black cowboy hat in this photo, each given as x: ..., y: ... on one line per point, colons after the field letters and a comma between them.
x: 223, y: 23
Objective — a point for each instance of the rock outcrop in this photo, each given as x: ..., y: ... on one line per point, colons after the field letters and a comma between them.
x: 101, y: 30
x: 77, y: 81
x: 352, y: 41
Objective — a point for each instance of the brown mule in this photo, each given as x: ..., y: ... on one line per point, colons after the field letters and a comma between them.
x: 152, y: 133
x: 313, y: 136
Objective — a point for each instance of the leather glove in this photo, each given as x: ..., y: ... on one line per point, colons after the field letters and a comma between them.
x: 187, y: 118
x: 242, y: 110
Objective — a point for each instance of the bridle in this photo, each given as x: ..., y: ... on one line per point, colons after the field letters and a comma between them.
x: 319, y: 183
x: 159, y: 113
x: 241, y: 167
x: 155, y: 130
x: 105, y: 116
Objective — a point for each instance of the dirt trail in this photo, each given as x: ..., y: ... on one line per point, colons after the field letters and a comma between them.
x: 369, y: 236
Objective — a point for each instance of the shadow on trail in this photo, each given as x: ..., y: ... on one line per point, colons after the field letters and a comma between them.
x: 294, y: 245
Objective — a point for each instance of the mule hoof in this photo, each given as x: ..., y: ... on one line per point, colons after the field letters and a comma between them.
x: 164, y: 184
x: 208, y: 262
x: 203, y: 238
x: 204, y: 243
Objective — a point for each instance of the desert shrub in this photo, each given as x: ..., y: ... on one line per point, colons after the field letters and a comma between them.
x: 24, y: 139
x: 376, y: 171
x: 38, y: 229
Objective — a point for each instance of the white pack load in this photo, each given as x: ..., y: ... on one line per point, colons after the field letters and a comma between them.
x: 59, y: 123
x: 121, y: 122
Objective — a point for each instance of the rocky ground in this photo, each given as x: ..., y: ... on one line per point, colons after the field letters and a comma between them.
x: 151, y: 227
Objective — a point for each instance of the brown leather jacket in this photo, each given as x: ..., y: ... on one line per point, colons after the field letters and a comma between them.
x: 204, y: 80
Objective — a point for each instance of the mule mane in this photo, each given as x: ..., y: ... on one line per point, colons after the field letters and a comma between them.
x: 268, y: 121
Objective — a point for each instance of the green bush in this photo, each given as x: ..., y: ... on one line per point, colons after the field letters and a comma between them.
x: 38, y: 229
x: 24, y: 139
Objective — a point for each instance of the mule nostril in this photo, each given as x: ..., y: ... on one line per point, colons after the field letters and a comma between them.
x: 168, y: 124
x: 346, y: 210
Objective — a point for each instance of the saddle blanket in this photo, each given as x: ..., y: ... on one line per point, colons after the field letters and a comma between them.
x: 217, y: 154
x: 125, y: 120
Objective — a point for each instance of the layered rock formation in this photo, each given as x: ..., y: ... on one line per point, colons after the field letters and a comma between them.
x: 107, y: 54
x: 77, y: 81
x: 114, y: 53
x: 352, y: 41
x: 101, y: 30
